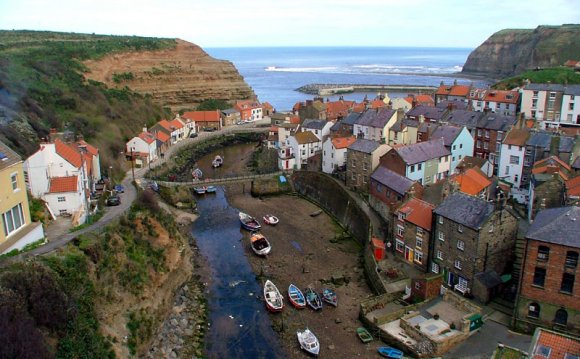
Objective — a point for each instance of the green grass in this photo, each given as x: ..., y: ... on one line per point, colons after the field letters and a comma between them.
x: 556, y: 75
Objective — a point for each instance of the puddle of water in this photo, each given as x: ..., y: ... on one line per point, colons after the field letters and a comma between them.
x: 297, y: 246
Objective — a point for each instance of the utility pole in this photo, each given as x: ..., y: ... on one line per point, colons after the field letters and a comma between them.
x: 132, y: 166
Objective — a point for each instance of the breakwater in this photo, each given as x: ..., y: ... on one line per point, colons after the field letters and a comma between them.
x: 335, y: 89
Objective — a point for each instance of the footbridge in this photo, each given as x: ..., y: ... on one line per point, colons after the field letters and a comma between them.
x: 224, y: 180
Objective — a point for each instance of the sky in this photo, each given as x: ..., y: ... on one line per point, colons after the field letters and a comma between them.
x: 246, y: 23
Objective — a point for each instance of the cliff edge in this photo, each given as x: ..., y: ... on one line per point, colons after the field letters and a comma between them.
x: 512, y: 51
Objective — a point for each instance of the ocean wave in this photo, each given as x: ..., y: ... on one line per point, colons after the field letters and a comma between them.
x: 374, y: 69
x: 302, y: 69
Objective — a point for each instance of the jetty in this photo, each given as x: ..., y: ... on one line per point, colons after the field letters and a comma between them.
x: 337, y: 89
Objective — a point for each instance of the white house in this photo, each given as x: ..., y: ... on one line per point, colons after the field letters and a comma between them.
x: 334, y: 153
x: 458, y: 141
x: 498, y: 101
x: 143, y: 148
x: 321, y: 128
x: 374, y: 124
x: 571, y: 106
x: 551, y: 104
x: 511, y: 161
x: 65, y: 194
x: 304, y: 145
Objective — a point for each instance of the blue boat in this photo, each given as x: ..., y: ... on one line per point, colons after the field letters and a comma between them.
x: 211, y: 189
x: 313, y: 299
x: 296, y: 297
x: 389, y: 352
x: 329, y: 296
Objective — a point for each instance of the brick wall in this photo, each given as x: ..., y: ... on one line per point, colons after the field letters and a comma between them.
x: 394, y: 162
x: 358, y: 175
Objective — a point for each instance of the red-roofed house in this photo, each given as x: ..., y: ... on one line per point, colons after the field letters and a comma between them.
x: 547, y: 184
x: 142, y: 148
x: 337, y: 110
x: 334, y: 153
x: 498, y: 101
x: 250, y: 110
x: 554, y: 345
x: 204, y: 119
x: 179, y: 131
x: 412, y: 225
x: 425, y: 100
x: 267, y: 109
x: 454, y: 92
x: 473, y: 182
x: 572, y: 194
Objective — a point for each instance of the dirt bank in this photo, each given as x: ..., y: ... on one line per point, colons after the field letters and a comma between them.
x: 305, y: 252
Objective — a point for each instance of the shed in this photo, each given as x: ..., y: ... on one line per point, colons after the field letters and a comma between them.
x: 378, y: 248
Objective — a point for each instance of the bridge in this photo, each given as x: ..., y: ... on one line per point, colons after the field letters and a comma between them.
x: 224, y: 180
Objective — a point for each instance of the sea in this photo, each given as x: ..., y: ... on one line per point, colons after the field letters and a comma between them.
x: 275, y: 73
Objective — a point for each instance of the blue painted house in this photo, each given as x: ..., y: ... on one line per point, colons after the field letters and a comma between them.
x: 457, y: 140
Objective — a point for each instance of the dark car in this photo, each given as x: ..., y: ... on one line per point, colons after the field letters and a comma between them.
x: 193, y: 135
x: 113, y: 201
x: 119, y: 188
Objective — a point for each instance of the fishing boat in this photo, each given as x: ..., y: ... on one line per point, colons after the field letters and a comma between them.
x: 308, y: 341
x: 217, y: 161
x: 249, y: 222
x: 329, y: 296
x: 273, y: 298
x: 200, y: 189
x: 389, y: 352
x: 296, y: 297
x: 196, y: 174
x: 364, y: 335
x: 316, y: 213
x: 211, y: 189
x: 260, y: 244
x: 270, y: 219
x: 313, y: 299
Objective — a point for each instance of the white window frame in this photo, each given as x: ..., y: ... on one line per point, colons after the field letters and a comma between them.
x: 13, y: 220
x: 441, y: 236
x: 61, y: 199
x: 460, y: 245
x: 418, y: 242
x: 440, y: 220
x: 459, y: 228
x: 434, y: 267
x: 400, y: 230
x: 14, y: 181
x: 440, y: 255
x: 418, y: 258
x: 399, y: 245
x: 419, y: 231
x: 457, y: 264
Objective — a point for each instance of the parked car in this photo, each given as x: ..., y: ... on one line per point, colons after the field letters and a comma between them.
x: 209, y: 129
x: 119, y: 188
x: 113, y: 201
x: 193, y: 135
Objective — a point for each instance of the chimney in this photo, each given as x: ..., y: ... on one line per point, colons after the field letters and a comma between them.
x: 144, y: 128
x: 421, y: 118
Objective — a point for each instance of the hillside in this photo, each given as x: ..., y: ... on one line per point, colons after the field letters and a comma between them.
x: 556, y: 75
x: 512, y: 51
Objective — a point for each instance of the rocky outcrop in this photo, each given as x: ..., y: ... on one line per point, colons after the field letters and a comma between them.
x: 179, y: 77
x: 512, y: 51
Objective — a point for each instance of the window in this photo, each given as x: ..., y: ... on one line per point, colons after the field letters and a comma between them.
x: 486, y: 145
x: 419, y: 257
x: 486, y: 133
x: 419, y: 231
x: 399, y: 245
x: 509, y: 147
x: 14, y: 180
x: 478, y: 144
x: 514, y: 160
x: 454, y: 147
x: 364, y: 166
x: 412, y: 169
x: 561, y: 317
x: 440, y: 255
x: 13, y: 219
x: 543, y: 351
x: 419, y: 167
x: 458, y: 264
x: 61, y: 199
x: 441, y: 236
x: 507, y: 170
x: 543, y: 253
x: 460, y: 245
x: 460, y: 228
x: 461, y: 145
x: 400, y: 230
x: 571, y: 259
x: 402, y: 216
x: 353, y: 162
x: 567, y: 283
x: 434, y: 267
x: 418, y: 242
x: 534, y: 103
x: 539, y: 276
x: 440, y: 220
x: 534, y: 310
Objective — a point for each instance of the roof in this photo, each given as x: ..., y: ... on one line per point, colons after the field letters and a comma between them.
x: 567, y: 89
x: 338, y: 108
x: 489, y: 279
x: 573, y: 186
x: 392, y: 180
x: 472, y: 181
x: 147, y: 137
x: 540, y: 139
x: 165, y: 124
x: 566, y: 144
x: 559, y: 345
x: 203, y: 116
x: 502, y: 96
x: 273, y: 128
x: 63, y: 184
x: 351, y: 119
x: 176, y: 123
x: 7, y: 156
x: 453, y: 104
x: 470, y: 161
x: 377, y: 118
x: 551, y: 165
x: 162, y: 136
x: 90, y: 148
x: 429, y: 112
x: 426, y: 100
x: 447, y: 133
x: 576, y: 163
x: 314, y: 124
x: 423, y: 151
x: 363, y: 145
x: 69, y: 153
x: 246, y: 105
x: 343, y: 142
x: 466, y: 210
x: 306, y: 137
x: 517, y: 137
x: 418, y: 212
x: 556, y: 225
x: 454, y: 90
x: 497, y: 122
x: 465, y: 118
x: 229, y: 111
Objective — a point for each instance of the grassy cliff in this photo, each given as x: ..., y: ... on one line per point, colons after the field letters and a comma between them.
x: 556, y: 75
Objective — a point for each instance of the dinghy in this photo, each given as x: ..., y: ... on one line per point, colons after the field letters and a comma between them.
x: 273, y: 298
x: 313, y: 299
x: 296, y: 297
x: 249, y: 222
x: 270, y: 219
x: 329, y: 296
x: 308, y: 341
x: 260, y: 244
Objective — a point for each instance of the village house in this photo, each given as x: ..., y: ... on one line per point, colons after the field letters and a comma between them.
x: 463, y: 118
x: 421, y: 99
x: 457, y: 140
x: 204, y: 120
x: 179, y: 131
x: 362, y: 157
x: 249, y: 110
x: 548, y: 293
x: 552, y: 105
x: 473, y: 182
x: 399, y: 103
x: 230, y: 117
x: 572, y: 192
x: 337, y: 110
x: 315, y: 109
x: 320, y: 128
x: 345, y: 127
x: 272, y: 141
x: 334, y: 153
x: 298, y: 149
x: 279, y: 118
x: 471, y: 237
x: 388, y: 190
x: 454, y: 92
x: 546, y: 188
x: 405, y: 131
x: 504, y: 102
x: 374, y: 124
x: 491, y: 129
x: 162, y: 126
x: 453, y: 105
x: 18, y: 230
x: 554, y: 345
x: 267, y: 109
x: 511, y: 162
x: 412, y: 232
x: 425, y: 162
x: 429, y: 113
x: 142, y: 149
x: 163, y: 142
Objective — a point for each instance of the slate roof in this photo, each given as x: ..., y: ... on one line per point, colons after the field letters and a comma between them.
x: 465, y: 118
x: 306, y: 137
x: 230, y: 111
x: 545, y: 87
x: 336, y: 126
x: 392, y: 180
x: 572, y: 90
x: 7, y: 156
x: 423, y: 151
x: 489, y: 279
x: 455, y: 104
x: 429, y: 112
x: 63, y: 184
x: 351, y: 119
x: 557, y: 225
x: 497, y: 122
x: 576, y: 163
x: 566, y: 144
x: 365, y: 146
x: 376, y: 118
x: 448, y: 133
x: 540, y: 139
x: 466, y: 210
x: 314, y: 124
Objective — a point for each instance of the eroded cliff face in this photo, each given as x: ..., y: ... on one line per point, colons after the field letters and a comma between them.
x: 512, y: 51
x: 179, y: 78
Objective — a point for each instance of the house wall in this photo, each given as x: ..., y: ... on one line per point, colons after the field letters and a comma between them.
x: 460, y: 148
x: 416, y: 172
x: 358, y: 170
x: 406, y: 244
x: 74, y: 201
x: 548, y: 194
x: 426, y: 288
x: 394, y: 162
x: 507, y: 171
x: 570, y: 110
x: 10, y: 198
x: 44, y: 164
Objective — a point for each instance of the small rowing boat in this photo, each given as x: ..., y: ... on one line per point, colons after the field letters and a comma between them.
x: 313, y: 299
x: 260, y: 244
x: 273, y: 298
x: 296, y: 297
x: 329, y: 296
x: 389, y: 352
x: 249, y: 222
x: 217, y: 161
x: 270, y: 219
x: 364, y: 335
x: 308, y: 341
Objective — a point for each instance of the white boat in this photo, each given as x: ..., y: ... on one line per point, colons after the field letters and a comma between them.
x: 260, y: 244
x: 270, y: 219
x: 249, y: 222
x: 273, y: 298
x: 217, y: 161
x: 308, y: 341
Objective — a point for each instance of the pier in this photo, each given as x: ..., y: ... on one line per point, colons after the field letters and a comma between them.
x: 337, y: 89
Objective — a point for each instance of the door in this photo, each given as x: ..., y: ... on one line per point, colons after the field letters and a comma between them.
x: 451, y: 279
x: 408, y: 254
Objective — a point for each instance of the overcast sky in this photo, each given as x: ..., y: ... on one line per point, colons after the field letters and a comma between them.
x: 225, y: 23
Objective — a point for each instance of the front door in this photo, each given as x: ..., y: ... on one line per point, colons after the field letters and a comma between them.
x: 451, y: 280
x: 408, y: 254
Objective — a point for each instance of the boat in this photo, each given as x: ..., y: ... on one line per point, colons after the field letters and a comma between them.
x: 313, y: 299
x: 364, y: 335
x: 308, y: 341
x: 200, y: 189
x: 389, y: 352
x: 296, y: 297
x: 314, y: 214
x: 211, y: 189
x: 217, y: 161
x: 270, y: 219
x: 196, y: 174
x: 260, y: 244
x: 329, y: 296
x: 273, y: 298
x: 249, y: 222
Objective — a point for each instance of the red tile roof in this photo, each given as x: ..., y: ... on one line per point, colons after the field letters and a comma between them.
x: 90, y: 148
x: 147, y: 137
x: 343, y: 142
x: 165, y: 124
x: 69, y: 153
x: 472, y: 181
x: 418, y: 212
x: 552, y: 164
x: 246, y: 105
x: 425, y: 100
x: 203, y: 116
x: 502, y: 96
x: 573, y: 186
x: 89, y: 162
x: 162, y: 136
x: 376, y: 103
x: 453, y: 90
x: 295, y: 120
x: 267, y: 105
x: 359, y: 107
x: 558, y: 344
x: 63, y: 184
x: 274, y: 129
x: 176, y: 124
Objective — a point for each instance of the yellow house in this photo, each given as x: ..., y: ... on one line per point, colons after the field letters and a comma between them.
x: 17, y: 228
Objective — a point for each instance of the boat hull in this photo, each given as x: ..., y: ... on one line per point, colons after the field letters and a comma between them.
x: 296, y: 297
x: 329, y: 296
x: 260, y: 245
x: 248, y: 222
x: 313, y: 299
x: 273, y: 298
x: 308, y: 341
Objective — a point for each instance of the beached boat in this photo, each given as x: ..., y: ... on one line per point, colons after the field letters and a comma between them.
x: 217, y: 161
x: 260, y: 244
x: 329, y: 296
x: 249, y: 222
x: 270, y: 219
x: 200, y: 189
x: 196, y: 174
x: 389, y: 352
x: 313, y: 299
x: 364, y: 335
x: 211, y: 189
x: 296, y: 297
x: 308, y: 341
x: 273, y: 298
x: 314, y: 214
